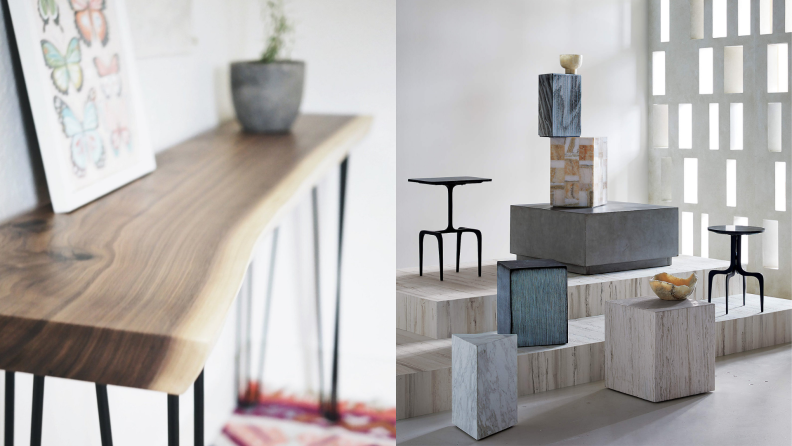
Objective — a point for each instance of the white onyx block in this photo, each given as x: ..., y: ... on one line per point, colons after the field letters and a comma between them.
x: 659, y: 350
x: 484, y: 383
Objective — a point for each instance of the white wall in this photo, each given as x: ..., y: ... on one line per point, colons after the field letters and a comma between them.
x: 467, y: 105
x: 349, y: 48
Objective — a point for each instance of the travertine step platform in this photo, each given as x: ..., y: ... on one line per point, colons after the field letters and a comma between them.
x: 423, y: 364
x: 465, y: 303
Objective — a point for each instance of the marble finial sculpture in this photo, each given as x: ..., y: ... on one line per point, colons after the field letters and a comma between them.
x: 668, y: 287
x: 559, y: 100
x: 571, y: 62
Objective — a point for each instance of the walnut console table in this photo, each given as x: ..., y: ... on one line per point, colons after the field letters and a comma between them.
x: 132, y: 289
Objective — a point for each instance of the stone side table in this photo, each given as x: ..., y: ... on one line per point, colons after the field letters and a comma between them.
x: 533, y: 302
x: 484, y: 383
x: 659, y: 350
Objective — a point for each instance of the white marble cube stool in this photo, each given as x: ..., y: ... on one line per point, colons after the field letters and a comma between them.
x: 659, y: 350
x: 483, y: 383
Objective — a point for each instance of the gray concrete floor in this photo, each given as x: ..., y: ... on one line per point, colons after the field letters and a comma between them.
x: 751, y: 405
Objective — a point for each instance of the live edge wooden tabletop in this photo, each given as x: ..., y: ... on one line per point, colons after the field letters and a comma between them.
x: 133, y: 289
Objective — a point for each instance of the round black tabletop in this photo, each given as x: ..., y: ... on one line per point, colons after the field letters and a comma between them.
x: 736, y: 230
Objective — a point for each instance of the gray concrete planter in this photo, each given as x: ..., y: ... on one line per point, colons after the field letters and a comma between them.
x: 267, y: 96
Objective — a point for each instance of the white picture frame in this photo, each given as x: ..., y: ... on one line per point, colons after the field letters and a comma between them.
x: 77, y: 175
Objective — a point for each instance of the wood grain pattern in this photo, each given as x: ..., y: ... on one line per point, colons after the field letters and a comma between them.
x: 745, y: 328
x: 423, y: 364
x: 133, y: 288
x: 466, y: 303
x: 659, y: 350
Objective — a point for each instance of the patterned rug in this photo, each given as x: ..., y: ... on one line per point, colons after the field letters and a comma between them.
x: 285, y: 420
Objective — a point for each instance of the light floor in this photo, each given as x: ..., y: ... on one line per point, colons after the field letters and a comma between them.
x: 752, y: 405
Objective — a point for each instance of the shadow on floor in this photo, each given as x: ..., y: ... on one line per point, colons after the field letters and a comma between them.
x: 752, y: 390
x: 591, y: 411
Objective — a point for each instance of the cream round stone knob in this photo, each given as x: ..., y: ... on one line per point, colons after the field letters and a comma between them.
x: 571, y: 62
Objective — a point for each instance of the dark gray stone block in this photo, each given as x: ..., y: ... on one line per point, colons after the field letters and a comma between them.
x: 559, y: 105
x: 613, y: 237
x: 532, y: 302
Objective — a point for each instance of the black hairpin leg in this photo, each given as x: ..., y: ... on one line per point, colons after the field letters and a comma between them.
x: 729, y: 272
x: 478, y: 241
x: 459, y: 248
x: 38, y: 410
x: 738, y: 267
x: 104, y: 415
x: 420, y: 252
x: 331, y: 413
x: 9, y: 408
x: 728, y: 278
x: 439, y: 236
x: 198, y: 410
x: 317, y: 295
x: 265, y: 322
x: 173, y: 420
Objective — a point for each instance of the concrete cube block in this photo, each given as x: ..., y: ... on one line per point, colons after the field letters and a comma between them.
x: 532, y: 301
x: 559, y: 104
x: 578, y: 167
x: 484, y: 383
x: 613, y: 237
x: 659, y: 350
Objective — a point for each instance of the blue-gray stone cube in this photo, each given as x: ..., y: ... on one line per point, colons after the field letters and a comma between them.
x: 559, y: 105
x: 532, y: 301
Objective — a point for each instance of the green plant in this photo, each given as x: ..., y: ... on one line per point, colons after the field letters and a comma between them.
x: 279, y: 29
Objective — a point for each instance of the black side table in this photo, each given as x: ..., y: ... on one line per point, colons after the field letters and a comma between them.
x: 736, y: 232
x: 448, y: 182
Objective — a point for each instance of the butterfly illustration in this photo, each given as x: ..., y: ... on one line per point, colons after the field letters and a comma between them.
x: 48, y: 10
x: 115, y: 119
x: 65, y: 70
x: 90, y: 20
x: 120, y: 137
x: 108, y: 76
x: 86, y: 143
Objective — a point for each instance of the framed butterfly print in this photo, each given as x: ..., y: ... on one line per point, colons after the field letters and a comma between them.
x: 79, y: 69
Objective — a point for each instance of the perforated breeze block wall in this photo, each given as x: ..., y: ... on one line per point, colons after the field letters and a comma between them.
x: 718, y: 146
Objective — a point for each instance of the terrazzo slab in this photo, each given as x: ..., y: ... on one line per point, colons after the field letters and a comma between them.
x: 578, y: 172
x: 423, y: 364
x: 559, y: 104
x: 466, y: 303
x: 659, y: 350
x: 484, y: 383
